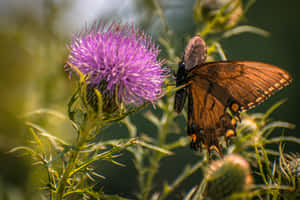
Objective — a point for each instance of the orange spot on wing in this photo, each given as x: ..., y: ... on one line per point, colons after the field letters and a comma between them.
x: 235, y: 107
x: 215, y: 148
x: 193, y: 137
x: 233, y: 121
x: 229, y: 133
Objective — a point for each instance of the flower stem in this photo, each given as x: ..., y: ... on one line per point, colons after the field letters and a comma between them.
x: 154, y: 162
x: 62, y: 185
x: 161, y: 15
x: 188, y: 171
x: 73, y: 159
x: 262, y: 174
x: 213, y: 22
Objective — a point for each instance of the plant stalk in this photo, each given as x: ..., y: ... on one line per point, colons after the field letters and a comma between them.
x: 74, y: 155
x: 154, y: 164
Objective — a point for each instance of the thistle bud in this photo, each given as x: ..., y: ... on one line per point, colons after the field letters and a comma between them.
x: 226, y: 177
x: 206, y: 10
x: 294, y: 165
x: 291, y: 170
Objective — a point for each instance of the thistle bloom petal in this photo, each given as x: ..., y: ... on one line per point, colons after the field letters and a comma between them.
x: 122, y: 57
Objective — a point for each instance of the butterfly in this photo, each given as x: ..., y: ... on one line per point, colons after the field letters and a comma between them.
x: 213, y: 88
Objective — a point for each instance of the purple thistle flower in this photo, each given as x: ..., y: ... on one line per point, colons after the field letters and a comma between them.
x: 122, y: 57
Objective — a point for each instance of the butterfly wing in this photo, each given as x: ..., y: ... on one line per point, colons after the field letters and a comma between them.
x: 248, y: 83
x: 195, y: 53
x: 180, y: 95
x: 238, y: 85
x: 207, y: 119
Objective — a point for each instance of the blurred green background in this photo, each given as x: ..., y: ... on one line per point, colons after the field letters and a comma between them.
x: 33, y: 48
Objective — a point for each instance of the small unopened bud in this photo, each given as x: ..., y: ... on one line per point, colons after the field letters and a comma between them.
x: 208, y: 9
x: 226, y: 177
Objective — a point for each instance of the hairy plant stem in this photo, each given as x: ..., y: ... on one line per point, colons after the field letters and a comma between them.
x: 84, y: 132
x: 154, y: 162
x: 188, y: 171
x: 161, y: 16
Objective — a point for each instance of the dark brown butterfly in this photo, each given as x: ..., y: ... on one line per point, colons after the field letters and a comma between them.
x: 215, y: 86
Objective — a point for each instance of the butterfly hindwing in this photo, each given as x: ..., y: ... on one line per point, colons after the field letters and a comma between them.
x: 207, y: 119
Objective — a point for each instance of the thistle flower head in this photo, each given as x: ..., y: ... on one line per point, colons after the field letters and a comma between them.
x: 227, y: 176
x: 121, y: 61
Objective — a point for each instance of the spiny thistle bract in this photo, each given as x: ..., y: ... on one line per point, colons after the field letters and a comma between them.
x: 226, y: 177
x: 295, y: 167
x: 120, y: 61
x: 292, y: 164
x: 290, y: 167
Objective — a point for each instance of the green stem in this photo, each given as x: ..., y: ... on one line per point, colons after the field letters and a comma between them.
x: 153, y: 169
x: 212, y: 23
x: 50, y: 179
x: 154, y: 164
x: 267, y: 161
x: 62, y: 185
x: 260, y: 165
x: 181, y: 178
x: 74, y: 155
x: 161, y: 15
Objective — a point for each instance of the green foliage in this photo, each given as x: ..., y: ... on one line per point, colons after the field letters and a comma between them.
x: 67, y: 166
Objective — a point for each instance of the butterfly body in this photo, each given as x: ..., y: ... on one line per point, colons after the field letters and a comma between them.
x: 215, y: 87
x: 180, y: 95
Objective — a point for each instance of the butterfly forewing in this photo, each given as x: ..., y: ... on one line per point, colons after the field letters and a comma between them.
x: 180, y: 95
x: 248, y: 83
